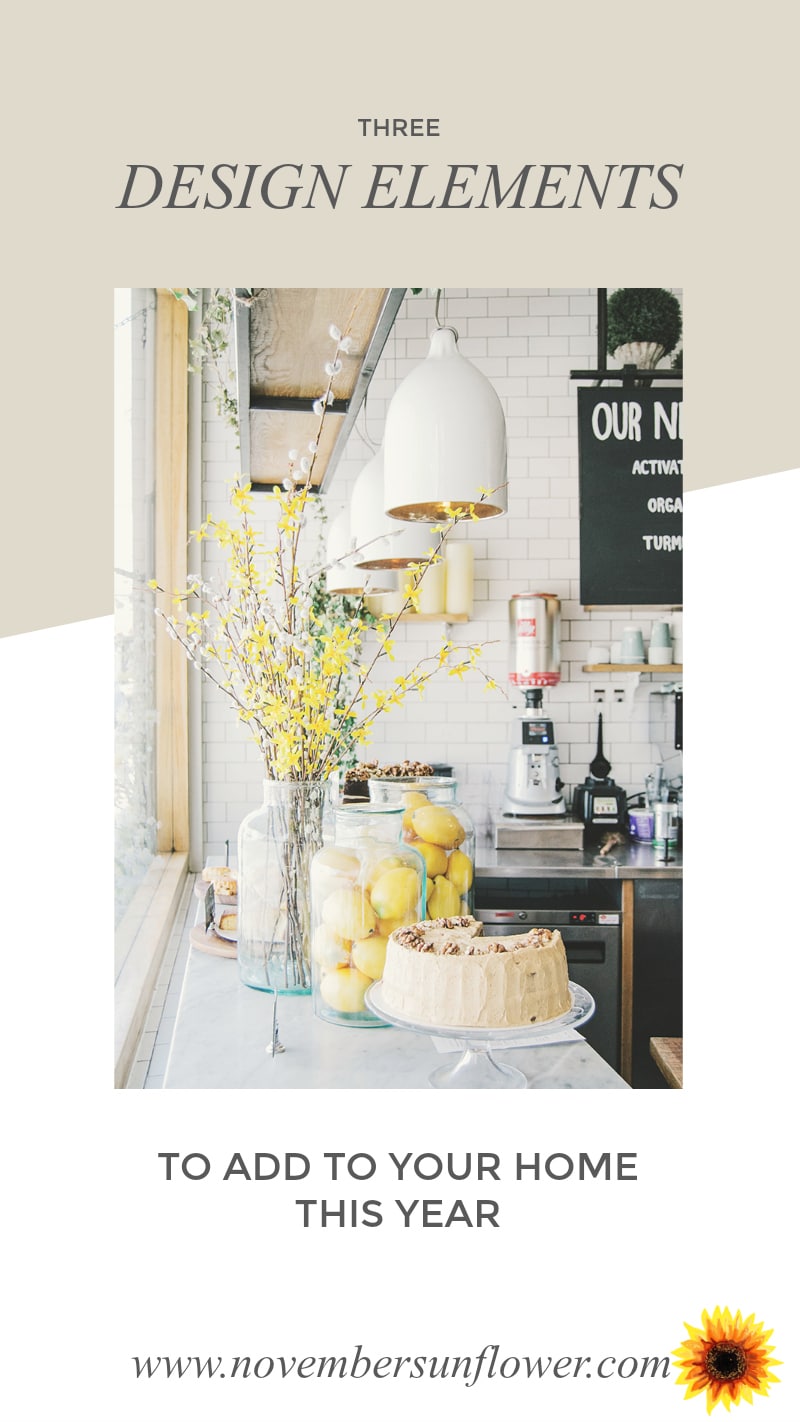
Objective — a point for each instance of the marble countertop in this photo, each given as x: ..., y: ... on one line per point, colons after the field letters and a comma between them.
x: 222, y: 1029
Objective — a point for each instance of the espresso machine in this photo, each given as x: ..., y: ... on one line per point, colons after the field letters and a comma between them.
x: 534, y: 813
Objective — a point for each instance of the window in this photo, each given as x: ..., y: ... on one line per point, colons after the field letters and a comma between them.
x: 151, y: 781
x: 134, y: 565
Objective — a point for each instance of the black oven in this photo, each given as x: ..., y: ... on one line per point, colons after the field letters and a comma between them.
x: 592, y: 934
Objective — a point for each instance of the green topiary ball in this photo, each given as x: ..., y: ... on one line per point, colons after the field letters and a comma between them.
x: 644, y: 313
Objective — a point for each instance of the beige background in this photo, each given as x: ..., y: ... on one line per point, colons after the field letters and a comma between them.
x: 682, y: 83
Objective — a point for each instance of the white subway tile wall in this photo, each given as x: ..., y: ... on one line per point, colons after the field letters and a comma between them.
x: 526, y: 342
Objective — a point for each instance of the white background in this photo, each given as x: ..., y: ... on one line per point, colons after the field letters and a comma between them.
x: 107, y: 1261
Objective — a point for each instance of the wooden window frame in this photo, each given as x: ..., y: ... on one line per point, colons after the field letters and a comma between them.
x: 171, y: 534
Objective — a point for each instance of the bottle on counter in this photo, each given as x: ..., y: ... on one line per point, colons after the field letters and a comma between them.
x: 665, y: 824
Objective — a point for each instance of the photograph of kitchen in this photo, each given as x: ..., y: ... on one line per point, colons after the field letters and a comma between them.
x: 399, y: 688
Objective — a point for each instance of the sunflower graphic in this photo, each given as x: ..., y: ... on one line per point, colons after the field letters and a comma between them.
x: 728, y: 1358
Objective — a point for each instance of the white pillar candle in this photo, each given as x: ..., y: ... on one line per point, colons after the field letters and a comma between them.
x: 431, y: 589
x: 458, y: 579
x: 385, y: 604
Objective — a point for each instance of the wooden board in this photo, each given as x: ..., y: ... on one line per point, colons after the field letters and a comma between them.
x: 274, y: 432
x: 290, y: 342
x: 667, y: 1053
x: 283, y: 345
x: 207, y: 941
x: 668, y: 668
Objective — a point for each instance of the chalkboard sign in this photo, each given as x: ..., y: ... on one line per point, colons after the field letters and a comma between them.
x: 630, y: 449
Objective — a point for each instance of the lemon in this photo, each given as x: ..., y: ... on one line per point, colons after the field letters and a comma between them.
x: 396, y: 893
x: 411, y: 799
x: 437, y: 825
x: 344, y: 989
x: 389, y: 861
x: 459, y: 871
x: 337, y: 861
x: 389, y: 925
x: 435, y: 857
x: 445, y: 901
x: 328, y: 950
x: 347, y: 913
x: 369, y: 955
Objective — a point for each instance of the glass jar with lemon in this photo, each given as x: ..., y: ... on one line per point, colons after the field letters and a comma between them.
x: 363, y: 885
x: 442, y: 831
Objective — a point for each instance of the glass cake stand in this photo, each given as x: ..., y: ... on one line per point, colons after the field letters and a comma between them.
x: 476, y: 1068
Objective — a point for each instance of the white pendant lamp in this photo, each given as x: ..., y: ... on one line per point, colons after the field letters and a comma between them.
x: 379, y: 541
x: 445, y: 438
x: 342, y: 576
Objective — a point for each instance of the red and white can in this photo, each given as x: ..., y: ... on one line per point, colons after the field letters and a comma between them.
x: 535, y: 639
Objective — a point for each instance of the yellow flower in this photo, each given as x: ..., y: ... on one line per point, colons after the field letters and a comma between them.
x: 727, y: 1358
x: 296, y: 673
x: 240, y: 498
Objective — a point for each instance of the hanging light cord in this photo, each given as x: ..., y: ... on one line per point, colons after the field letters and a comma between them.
x: 440, y: 325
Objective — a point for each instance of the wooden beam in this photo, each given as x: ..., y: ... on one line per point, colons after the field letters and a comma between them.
x: 171, y: 481
x: 626, y: 1002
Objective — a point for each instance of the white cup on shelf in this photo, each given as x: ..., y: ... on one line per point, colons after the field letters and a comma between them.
x: 632, y: 645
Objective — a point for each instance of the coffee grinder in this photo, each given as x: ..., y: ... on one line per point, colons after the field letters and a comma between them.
x: 534, y: 813
x: 533, y: 782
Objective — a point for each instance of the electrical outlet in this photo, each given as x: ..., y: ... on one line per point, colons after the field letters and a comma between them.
x: 619, y: 694
x: 599, y: 695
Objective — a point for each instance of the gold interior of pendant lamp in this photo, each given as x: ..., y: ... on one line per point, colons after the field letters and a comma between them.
x: 435, y: 512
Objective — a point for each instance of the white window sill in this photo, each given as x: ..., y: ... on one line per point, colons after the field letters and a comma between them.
x: 141, y: 940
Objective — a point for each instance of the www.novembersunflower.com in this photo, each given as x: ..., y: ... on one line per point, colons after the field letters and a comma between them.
x: 489, y: 1364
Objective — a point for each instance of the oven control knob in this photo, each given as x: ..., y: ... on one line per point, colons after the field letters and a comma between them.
x: 522, y: 915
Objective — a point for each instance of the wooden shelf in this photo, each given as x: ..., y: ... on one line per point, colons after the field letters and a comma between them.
x: 667, y: 668
x: 433, y: 617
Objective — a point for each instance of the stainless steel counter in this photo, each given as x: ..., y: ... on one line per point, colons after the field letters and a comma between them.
x: 628, y: 861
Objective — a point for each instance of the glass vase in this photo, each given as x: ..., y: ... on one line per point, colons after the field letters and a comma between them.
x: 364, y: 886
x: 276, y: 845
